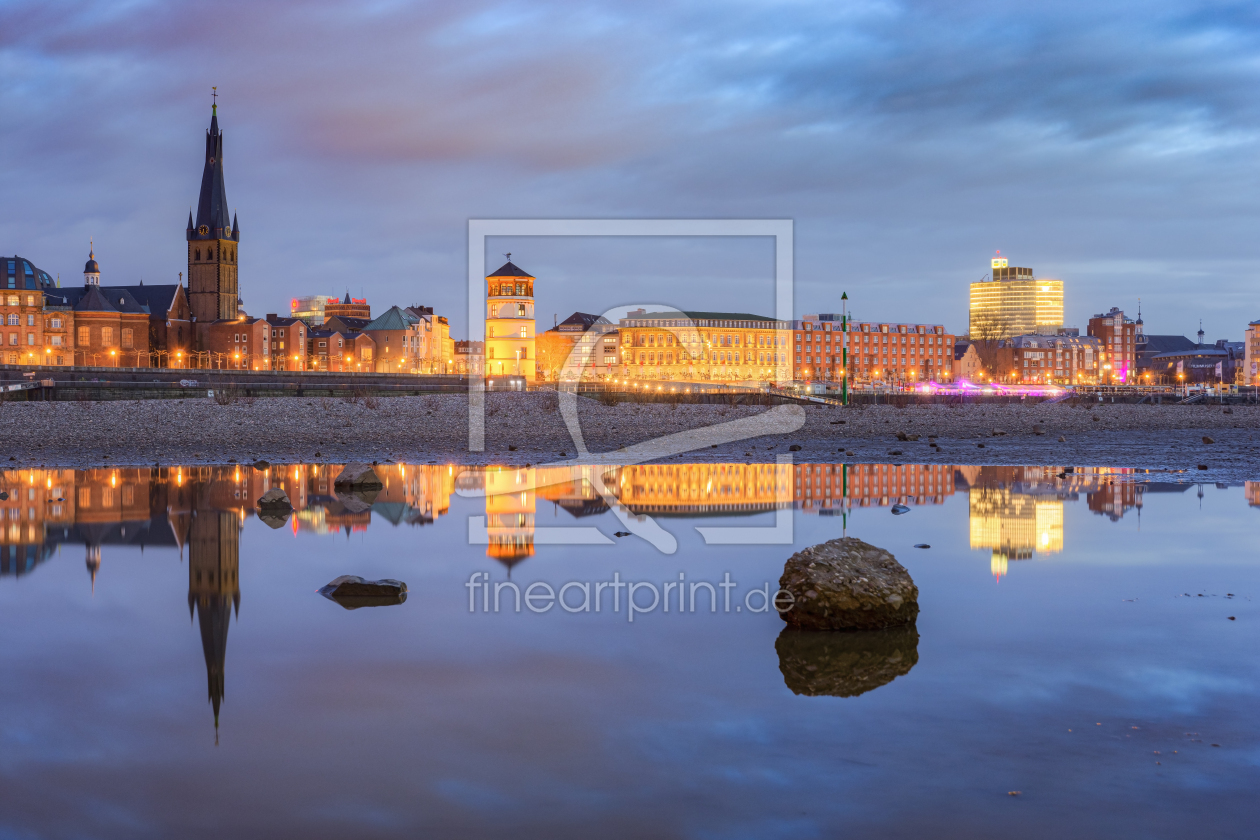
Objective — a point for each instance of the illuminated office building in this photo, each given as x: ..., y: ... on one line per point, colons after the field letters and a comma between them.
x: 1014, y: 302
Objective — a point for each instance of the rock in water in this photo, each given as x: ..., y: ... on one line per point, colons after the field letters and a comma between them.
x: 275, y: 499
x: 846, y: 584
x: 353, y: 592
x: 899, y: 509
x: 845, y: 664
x: 358, y: 475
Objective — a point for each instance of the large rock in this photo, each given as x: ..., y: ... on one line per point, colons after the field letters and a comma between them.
x: 845, y: 663
x: 358, y: 475
x: 353, y: 592
x: 275, y: 499
x: 846, y: 584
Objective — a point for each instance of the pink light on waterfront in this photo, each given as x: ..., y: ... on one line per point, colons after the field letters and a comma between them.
x: 965, y: 387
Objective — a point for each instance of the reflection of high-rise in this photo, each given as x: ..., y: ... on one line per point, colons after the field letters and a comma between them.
x: 214, y: 588
x: 1017, y: 512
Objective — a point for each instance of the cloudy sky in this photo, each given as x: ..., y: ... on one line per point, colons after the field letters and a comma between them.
x: 1112, y: 145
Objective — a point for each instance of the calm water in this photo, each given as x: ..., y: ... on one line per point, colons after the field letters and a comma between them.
x: 1062, y: 651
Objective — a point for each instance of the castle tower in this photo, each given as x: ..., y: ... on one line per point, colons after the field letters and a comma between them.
x: 91, y: 271
x: 213, y: 589
x: 510, y: 322
x: 212, y: 289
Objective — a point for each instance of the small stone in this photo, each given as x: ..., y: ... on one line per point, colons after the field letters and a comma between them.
x: 859, y: 587
x: 1207, y: 439
x: 796, y: 447
x: 1037, y: 430
x: 1062, y: 439
x: 895, y: 452
x: 511, y: 449
x: 261, y: 465
x: 899, y: 509
x: 1203, y: 466
x: 979, y: 446
x: 621, y: 534
x: 922, y: 545
x: 353, y: 592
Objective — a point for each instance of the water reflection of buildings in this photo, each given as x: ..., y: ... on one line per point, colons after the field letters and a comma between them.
x: 1017, y: 512
x: 202, y: 509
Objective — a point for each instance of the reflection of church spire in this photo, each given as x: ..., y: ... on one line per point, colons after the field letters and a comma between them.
x: 213, y: 589
x: 93, y: 563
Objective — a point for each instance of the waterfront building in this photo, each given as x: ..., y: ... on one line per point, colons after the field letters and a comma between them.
x: 510, y: 346
x: 1251, y: 355
x: 1048, y: 360
x: 240, y: 344
x: 1013, y: 302
x: 348, y: 307
x: 287, y: 343
x: 25, y: 319
x: 213, y: 239
x: 967, y: 365
x: 400, y: 341
x: 889, y: 352
x: 593, y: 338
x: 470, y: 357
x: 1118, y: 334
x: 310, y: 308
x: 1205, y: 364
x: 721, y: 346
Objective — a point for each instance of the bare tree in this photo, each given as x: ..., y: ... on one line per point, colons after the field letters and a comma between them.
x: 988, y: 334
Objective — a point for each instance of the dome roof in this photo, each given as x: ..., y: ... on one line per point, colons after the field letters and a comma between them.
x: 23, y: 274
x: 90, y: 267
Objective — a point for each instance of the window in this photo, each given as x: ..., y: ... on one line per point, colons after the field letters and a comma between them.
x: 523, y: 332
x: 13, y: 338
x: 127, y: 337
x: 520, y: 310
x: 282, y: 345
x: 56, y: 342
x: 30, y: 300
x: 13, y: 320
x: 56, y: 323
x: 490, y: 353
x: 30, y: 339
x: 107, y: 336
x: 85, y: 336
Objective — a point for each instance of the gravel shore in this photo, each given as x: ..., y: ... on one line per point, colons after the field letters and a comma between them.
x: 435, y: 428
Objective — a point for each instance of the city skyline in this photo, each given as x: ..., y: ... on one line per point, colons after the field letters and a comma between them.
x: 875, y: 128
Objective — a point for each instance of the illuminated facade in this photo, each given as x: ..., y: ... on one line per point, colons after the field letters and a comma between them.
x: 723, y: 346
x: 510, y: 346
x: 890, y: 352
x: 1014, y: 302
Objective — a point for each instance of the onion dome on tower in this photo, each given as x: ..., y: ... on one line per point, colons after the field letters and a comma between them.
x: 91, y: 271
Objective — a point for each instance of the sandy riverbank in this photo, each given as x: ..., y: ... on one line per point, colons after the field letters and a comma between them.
x: 435, y: 428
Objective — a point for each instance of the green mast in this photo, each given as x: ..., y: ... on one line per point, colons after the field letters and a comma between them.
x: 844, y: 355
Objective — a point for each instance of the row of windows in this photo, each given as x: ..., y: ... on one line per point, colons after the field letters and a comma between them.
x: 16, y: 300
x: 719, y: 340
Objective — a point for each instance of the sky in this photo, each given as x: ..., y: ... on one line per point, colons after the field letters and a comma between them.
x: 1110, y: 145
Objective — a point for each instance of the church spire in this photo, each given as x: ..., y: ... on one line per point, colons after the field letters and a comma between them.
x: 212, y: 206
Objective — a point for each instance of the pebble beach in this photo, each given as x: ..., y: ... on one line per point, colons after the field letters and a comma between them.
x: 528, y: 428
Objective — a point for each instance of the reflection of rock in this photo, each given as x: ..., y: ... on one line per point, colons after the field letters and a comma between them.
x: 846, y: 584
x: 358, y: 476
x: 273, y: 518
x: 845, y: 663
x: 357, y: 501
x: 352, y: 592
x: 275, y: 499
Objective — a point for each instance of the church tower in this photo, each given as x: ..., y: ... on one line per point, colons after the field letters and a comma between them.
x: 91, y: 269
x: 212, y: 239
